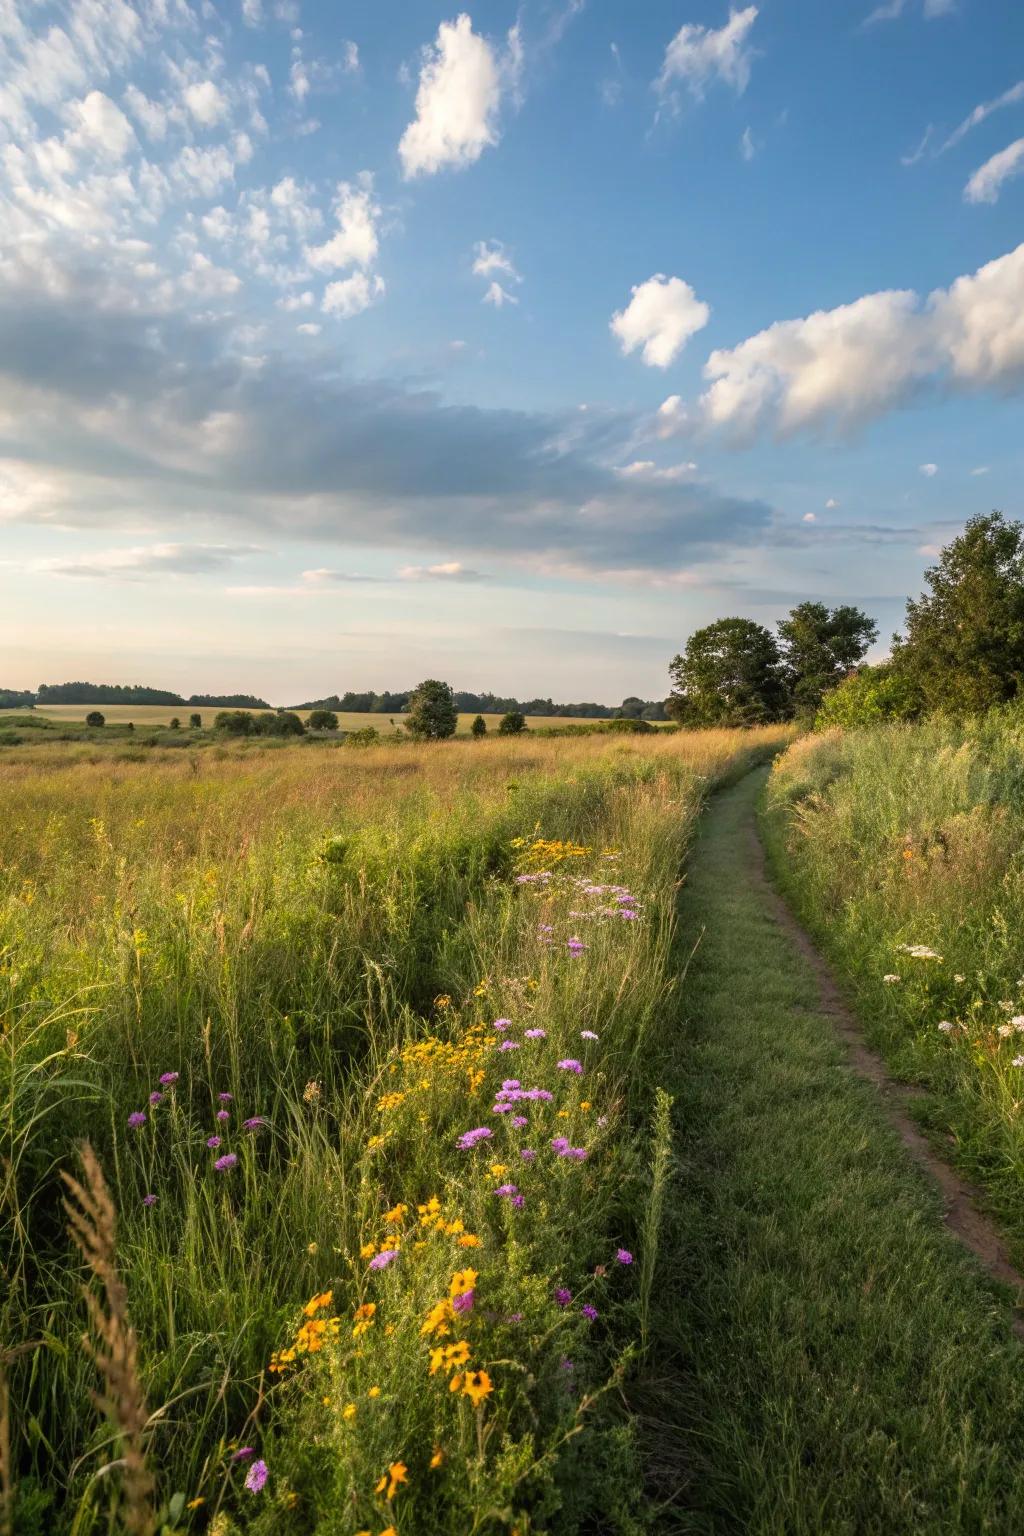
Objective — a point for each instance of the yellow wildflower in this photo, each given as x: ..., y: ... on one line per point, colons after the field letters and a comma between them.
x: 196, y: 1503
x: 463, y: 1280
x: 374, y: 1392
x: 438, y: 1457
x: 584, y: 1104
x: 469, y: 1240
x: 499, y: 1170
x: 477, y: 1386
x: 318, y: 1303
x: 397, y: 1473
x: 368, y: 1250
x: 349, y: 1411
x: 394, y: 1216
x: 363, y: 1318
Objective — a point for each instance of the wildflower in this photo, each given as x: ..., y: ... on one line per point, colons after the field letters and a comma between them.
x: 362, y: 1318
x: 518, y: 1121
x: 256, y: 1476
x: 536, y: 1034
x: 225, y: 1098
x: 945, y: 1027
x: 438, y: 1319
x: 396, y: 1474
x: 136, y: 1118
x: 169, y: 1078
x: 196, y: 1503
x: 318, y: 1303
x: 518, y: 1201
x: 588, y: 1034
x: 527, y: 1154
x: 890, y: 979
x: 563, y: 1296
x: 575, y: 946
x: 958, y: 977
x: 384, y: 1258
x: 244, y: 1453
x: 254, y: 1123
x: 469, y: 1139
x: 506, y: 1189
x: 502, y: 1024
x: 498, y: 1170
x: 213, y: 1141
x: 394, y: 1216
x: 919, y: 951
x: 509, y: 1045
x: 623, y: 1256
x: 1018, y: 1022
x: 468, y: 1240
x: 222, y: 1115
x: 438, y: 1457
x: 367, y: 1251
x: 589, y: 1312
x: 224, y: 1163
x: 464, y: 1303
x: 578, y: 1154
x: 477, y: 1386
x: 463, y: 1280
x: 1018, y: 1061
x: 349, y: 1412
x: 156, y: 1098
x: 374, y: 1392
x: 560, y: 1144
x: 569, y: 1064
x: 149, y: 1199
x: 1004, y: 1030
x: 539, y: 1093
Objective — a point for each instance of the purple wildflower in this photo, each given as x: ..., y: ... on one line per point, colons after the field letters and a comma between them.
x: 518, y: 1121
x: 567, y: 1365
x: 578, y: 1154
x: 149, y: 1199
x: 224, y: 1163
x: 509, y: 1045
x: 137, y: 1118
x: 587, y: 1034
x: 575, y: 946
x: 510, y: 1083
x: 256, y: 1477
x: 222, y: 1114
x: 527, y: 1154
x: 539, y: 1093
x: 244, y: 1453
x: 225, y: 1098
x: 536, y: 1034
x: 623, y: 1256
x: 570, y: 1064
x: 506, y: 1189
x: 560, y: 1144
x: 469, y: 1139
x: 501, y: 1024
x: 563, y: 1296
x: 169, y: 1078
x: 518, y: 1201
x: 628, y: 912
x: 464, y: 1303
x: 589, y: 1312
x: 213, y: 1141
x: 501, y: 1109
x: 254, y: 1122
x: 156, y: 1098
x: 382, y: 1260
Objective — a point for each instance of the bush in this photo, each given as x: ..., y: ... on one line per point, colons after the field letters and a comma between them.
x: 433, y: 714
x: 512, y: 724
x: 174, y: 724
x: 322, y: 720
x: 368, y: 736
x: 195, y: 722
x: 479, y: 727
x: 868, y: 697
x: 233, y: 722
x: 94, y: 718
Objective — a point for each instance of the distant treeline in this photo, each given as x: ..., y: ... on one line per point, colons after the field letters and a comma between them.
x: 123, y: 693
x: 490, y: 704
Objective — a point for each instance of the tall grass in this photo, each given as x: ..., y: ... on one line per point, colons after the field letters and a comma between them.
x: 904, y: 847
x: 321, y: 946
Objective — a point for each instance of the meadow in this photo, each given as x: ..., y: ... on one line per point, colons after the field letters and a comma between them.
x: 349, y: 1058
x: 160, y: 714
x: 902, y: 846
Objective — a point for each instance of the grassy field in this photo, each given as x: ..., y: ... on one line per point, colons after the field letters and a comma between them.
x: 160, y: 714
x: 361, y: 1043
x: 903, y: 847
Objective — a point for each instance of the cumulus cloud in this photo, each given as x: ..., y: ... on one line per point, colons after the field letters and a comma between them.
x: 356, y: 241
x: 352, y: 295
x: 205, y: 103
x: 986, y: 183
x: 100, y: 125
x: 698, y: 55
x: 831, y: 504
x: 662, y: 315
x: 839, y: 368
x: 458, y: 100
x: 673, y: 418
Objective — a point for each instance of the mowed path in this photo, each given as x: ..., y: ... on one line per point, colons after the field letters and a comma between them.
x: 830, y: 1357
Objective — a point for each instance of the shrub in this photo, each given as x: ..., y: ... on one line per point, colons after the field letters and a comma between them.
x: 322, y: 720
x: 512, y: 724
x: 479, y: 727
x: 367, y: 736
x: 195, y: 722
x: 174, y: 724
x: 869, y: 696
x: 94, y: 718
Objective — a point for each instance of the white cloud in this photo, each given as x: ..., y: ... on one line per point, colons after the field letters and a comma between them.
x: 698, y: 55
x: 450, y: 570
x: 662, y: 315
x: 205, y: 103
x: 498, y: 296
x: 356, y: 242
x: 293, y: 301
x: 831, y: 504
x: 810, y: 517
x: 205, y: 280
x: 842, y: 367
x: 352, y: 295
x: 218, y: 224
x: 657, y: 474
x: 457, y: 101
x: 673, y: 418
x: 309, y: 329
x: 141, y: 562
x: 986, y: 183
x: 490, y: 257
x: 984, y: 110
x: 150, y: 114
x: 982, y: 469
x: 928, y: 470
x: 100, y: 126
x: 918, y: 154
x: 748, y: 149
x: 252, y: 12
x: 350, y: 57
x: 890, y: 10
x: 203, y: 172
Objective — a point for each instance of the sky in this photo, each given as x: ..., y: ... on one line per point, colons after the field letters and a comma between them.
x: 346, y: 344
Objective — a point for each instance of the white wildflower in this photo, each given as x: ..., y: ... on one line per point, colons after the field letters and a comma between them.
x: 946, y: 1027
x: 890, y: 979
x: 958, y: 977
x: 1018, y: 1061
x: 1004, y: 1030
x: 919, y: 952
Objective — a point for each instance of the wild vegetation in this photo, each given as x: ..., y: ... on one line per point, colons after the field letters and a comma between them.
x: 360, y: 1044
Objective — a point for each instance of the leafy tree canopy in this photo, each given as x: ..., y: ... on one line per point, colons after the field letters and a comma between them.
x: 432, y: 713
x: 731, y: 673
x: 820, y: 646
x: 512, y: 724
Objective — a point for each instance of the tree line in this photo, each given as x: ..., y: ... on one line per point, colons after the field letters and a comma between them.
x: 370, y: 703
x: 961, y: 653
x: 127, y: 693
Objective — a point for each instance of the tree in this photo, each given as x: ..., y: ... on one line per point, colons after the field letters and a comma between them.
x: 195, y: 722
x: 432, y: 713
x: 479, y: 727
x: 964, y: 646
x: 820, y: 646
x: 731, y: 673
x: 322, y: 720
x: 94, y: 718
x: 512, y: 724
x: 174, y: 724
x: 233, y: 722
x: 283, y: 722
x: 869, y: 696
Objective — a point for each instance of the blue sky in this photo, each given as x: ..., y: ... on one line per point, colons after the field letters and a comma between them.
x: 341, y: 345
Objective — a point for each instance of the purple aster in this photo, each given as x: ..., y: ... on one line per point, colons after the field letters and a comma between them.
x: 539, y: 1093
x: 575, y: 946
x: 623, y: 1256
x: 224, y: 1163
x: 501, y: 1024
x: 570, y: 1064
x: 578, y: 1154
x: 149, y: 1199
x: 501, y: 1109
x: 545, y: 928
x: 589, y: 1312
x: 382, y: 1260
x: 563, y: 1296
x: 587, y: 1034
x: 536, y: 1034
x: 560, y: 1144
x: 254, y: 1123
x: 464, y: 1303
x: 256, y: 1477
x: 628, y: 912
x: 510, y: 1083
x: 213, y: 1141
x: 506, y: 1189
x: 244, y: 1453
x: 156, y: 1098
x: 222, y: 1114
x: 509, y: 1045
x: 137, y: 1118
x: 169, y: 1078
x: 518, y: 1201
x: 527, y: 1154
x: 225, y: 1098
x: 518, y: 1121
x: 469, y: 1139
x: 567, y: 1365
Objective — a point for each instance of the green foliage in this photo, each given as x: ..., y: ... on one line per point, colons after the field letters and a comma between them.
x: 174, y: 724
x: 479, y: 727
x: 432, y: 713
x: 964, y: 646
x: 366, y: 736
x: 94, y: 719
x: 730, y: 674
x: 195, y: 722
x: 869, y: 696
x: 233, y: 722
x: 512, y: 724
x: 820, y: 646
x: 322, y: 720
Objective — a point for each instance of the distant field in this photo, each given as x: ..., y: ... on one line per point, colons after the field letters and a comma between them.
x: 160, y: 714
